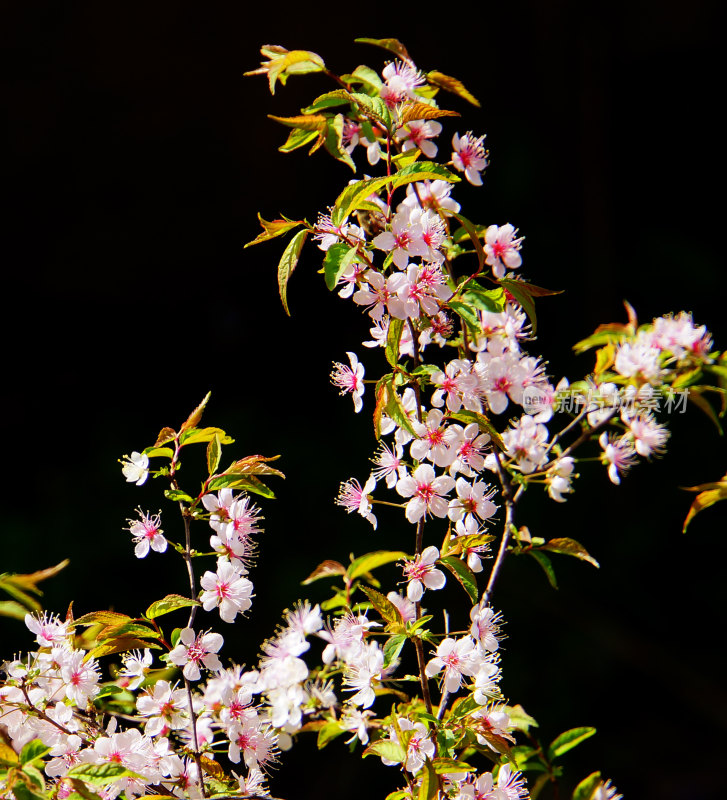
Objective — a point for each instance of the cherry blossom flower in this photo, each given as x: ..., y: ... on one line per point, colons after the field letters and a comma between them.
x: 420, y: 745
x: 417, y: 133
x: 400, y: 82
x: 525, y: 442
x: 472, y: 500
x: 432, y: 195
x: 485, y: 627
x: 511, y: 784
x: 618, y: 454
x: 426, y: 492
x: 135, y: 668
x: 354, y: 498
x: 638, y: 360
x: 406, y: 608
x: 227, y: 590
x: 435, y: 440
x: 420, y: 572
x: 352, y: 719
x: 80, y: 677
x: 454, y: 656
x: 502, y: 249
x: 48, y: 628
x: 469, y: 156
x: 361, y: 672
x: 648, y: 435
x: 350, y: 379
x: 605, y: 791
x: 388, y: 464
x: 403, y: 241
x: 468, y: 526
x: 135, y: 468
x: 469, y: 444
x: 195, y: 649
x: 165, y: 706
x: 147, y: 534
x: 558, y: 478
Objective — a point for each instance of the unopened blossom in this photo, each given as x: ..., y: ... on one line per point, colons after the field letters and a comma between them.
x: 473, y: 500
x: 649, y: 436
x: 350, y: 379
x: 226, y: 589
x: 469, y: 156
x: 48, y: 628
x: 353, y: 497
x: 195, y: 649
x: 558, y: 478
x: 455, y: 657
x: 135, y: 468
x: 406, y: 608
x: 418, y: 133
x: 426, y: 492
x: 618, y: 455
x: 147, y: 533
x: 421, y: 573
x: 502, y: 248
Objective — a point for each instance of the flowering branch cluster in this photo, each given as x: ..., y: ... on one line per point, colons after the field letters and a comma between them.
x: 449, y: 308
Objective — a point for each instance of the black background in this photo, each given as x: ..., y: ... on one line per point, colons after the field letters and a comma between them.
x: 137, y: 157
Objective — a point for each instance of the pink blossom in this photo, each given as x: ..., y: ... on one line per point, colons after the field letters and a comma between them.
x: 353, y: 497
x: 454, y: 656
x: 618, y: 454
x: 227, y: 590
x: 350, y: 379
x: 417, y: 133
x: 147, y: 534
x: 469, y: 156
x: 195, y: 649
x: 426, y: 492
x: 421, y: 573
x: 502, y: 249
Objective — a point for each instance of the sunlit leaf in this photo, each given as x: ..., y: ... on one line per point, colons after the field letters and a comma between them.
x: 570, y: 547
x: 326, y: 569
x: 568, y: 740
x: 392, y: 45
x: 463, y: 574
x: 276, y: 227
x: 709, y: 494
x: 167, y: 604
x: 453, y: 85
x: 363, y: 564
x: 287, y: 264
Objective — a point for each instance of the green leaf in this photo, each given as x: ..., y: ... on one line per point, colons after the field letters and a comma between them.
x: 586, y: 788
x: 30, y: 603
x: 568, y: 740
x: 467, y: 312
x: 102, y: 618
x: 453, y: 85
x: 214, y: 454
x: 393, y: 339
x: 524, y: 292
x: 178, y: 496
x: 338, y: 257
x: 201, y: 435
x: 100, y: 774
x: 474, y: 236
x: 172, y: 602
x: 709, y: 494
x: 485, y: 299
x: 387, y: 749
x: 547, y: 566
x: 108, y: 690
x: 392, y: 648
x: 120, y: 644
x: 519, y: 718
x: 126, y: 629
x: 445, y: 766
x: 570, y: 547
x: 485, y: 425
x: 9, y: 608
x: 338, y: 97
x: 284, y: 63
x: 296, y: 138
x: 392, y: 45
x: 81, y: 791
x: 33, y: 750
x: 279, y: 227
x: 374, y: 108
x: 158, y: 452
x: 254, y: 465
x: 429, y: 787
x: 21, y: 791
x: 328, y: 733
x: 366, y: 76
x: 463, y: 574
x: 363, y: 564
x: 384, y: 606
x: 287, y: 264
x: 325, y: 569
x: 333, y: 141
x: 395, y: 409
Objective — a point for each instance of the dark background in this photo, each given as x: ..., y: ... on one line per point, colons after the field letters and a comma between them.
x: 137, y: 157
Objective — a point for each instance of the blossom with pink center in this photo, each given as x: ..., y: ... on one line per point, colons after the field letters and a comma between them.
x: 469, y: 444
x: 525, y: 442
x: 440, y: 329
x: 417, y: 133
x: 681, y: 337
x: 454, y: 656
x: 377, y: 293
x: 426, y: 492
x: 435, y: 440
x: 485, y: 627
x: 432, y: 195
x: 501, y: 377
x: 403, y: 241
x: 147, y: 534
x: 618, y: 454
x: 456, y: 382
x: 226, y: 589
x: 135, y: 668
x: 469, y: 156
x: 327, y: 233
x: 421, y: 573
x: 433, y: 233
x: 80, y: 677
x: 638, y: 360
x: 502, y: 248
x: 48, y: 628
x: 473, y: 500
x: 400, y: 82
x: 353, y: 497
x: 165, y: 706
x: 389, y: 464
x: 420, y: 745
x: 194, y: 650
x: 350, y: 379
x: 421, y: 289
